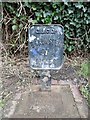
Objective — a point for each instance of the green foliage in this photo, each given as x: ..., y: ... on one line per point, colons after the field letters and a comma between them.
x: 74, y: 16
x: 85, y: 68
x: 85, y: 91
x: 1, y: 103
x: 14, y: 27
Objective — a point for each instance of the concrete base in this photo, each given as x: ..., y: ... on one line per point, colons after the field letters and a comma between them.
x: 59, y: 103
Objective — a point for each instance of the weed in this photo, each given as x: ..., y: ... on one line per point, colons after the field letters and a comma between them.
x: 1, y: 103
x: 84, y: 69
x: 85, y: 89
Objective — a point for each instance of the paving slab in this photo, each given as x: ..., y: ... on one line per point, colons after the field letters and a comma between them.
x: 59, y: 103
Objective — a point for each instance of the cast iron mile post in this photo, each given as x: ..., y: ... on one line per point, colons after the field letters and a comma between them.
x: 45, y: 46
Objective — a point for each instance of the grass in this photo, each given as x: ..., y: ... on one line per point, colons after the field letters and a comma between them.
x: 84, y: 68
x: 1, y: 103
x: 85, y: 89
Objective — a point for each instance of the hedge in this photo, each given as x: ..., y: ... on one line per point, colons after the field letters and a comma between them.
x: 74, y: 16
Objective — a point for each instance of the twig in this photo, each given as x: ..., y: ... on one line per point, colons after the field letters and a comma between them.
x: 8, y: 21
x: 6, y: 12
x: 11, y: 35
x: 8, y: 95
x: 21, y: 7
x: 5, y: 51
x: 26, y: 27
x: 20, y: 47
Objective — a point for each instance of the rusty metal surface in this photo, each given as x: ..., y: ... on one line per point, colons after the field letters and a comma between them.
x: 46, y: 46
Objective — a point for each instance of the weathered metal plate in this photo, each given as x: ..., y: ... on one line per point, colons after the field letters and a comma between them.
x: 46, y: 46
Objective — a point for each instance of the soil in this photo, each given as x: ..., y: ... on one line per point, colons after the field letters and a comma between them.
x: 17, y: 73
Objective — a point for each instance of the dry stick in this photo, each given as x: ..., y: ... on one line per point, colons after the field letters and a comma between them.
x: 18, y: 34
x: 26, y: 27
x: 20, y: 47
x: 7, y: 96
x: 8, y: 21
x: 6, y: 27
x: 18, y: 37
x: 20, y: 43
x: 24, y: 10
x: 21, y: 21
x: 5, y: 51
x: 7, y: 13
x: 21, y: 7
x: 4, y: 19
x: 25, y: 40
x: 11, y: 36
x: 6, y: 55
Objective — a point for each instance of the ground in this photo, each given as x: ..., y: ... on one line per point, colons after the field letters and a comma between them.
x: 18, y: 79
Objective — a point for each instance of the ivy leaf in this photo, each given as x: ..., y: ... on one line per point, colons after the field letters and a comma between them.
x: 65, y: 2
x: 70, y: 48
x: 72, y: 23
x: 48, y: 20
x: 34, y: 21
x: 87, y: 22
x: 34, y: 8
x: 54, y: 5
x: 38, y: 14
x: 1, y: 103
x: 56, y: 18
x: 78, y: 5
x: 65, y: 47
x: 42, y: 20
x: 14, y: 21
x: 78, y: 25
x: 70, y: 11
x: 67, y: 26
x: 67, y: 34
x: 45, y: 14
x: 84, y: 9
x: 26, y: 4
x: 14, y: 27
x: 21, y: 26
x: 89, y: 10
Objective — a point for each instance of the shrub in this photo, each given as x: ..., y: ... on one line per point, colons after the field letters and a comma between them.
x: 74, y: 16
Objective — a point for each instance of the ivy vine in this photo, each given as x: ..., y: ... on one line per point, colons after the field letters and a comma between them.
x: 74, y: 16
